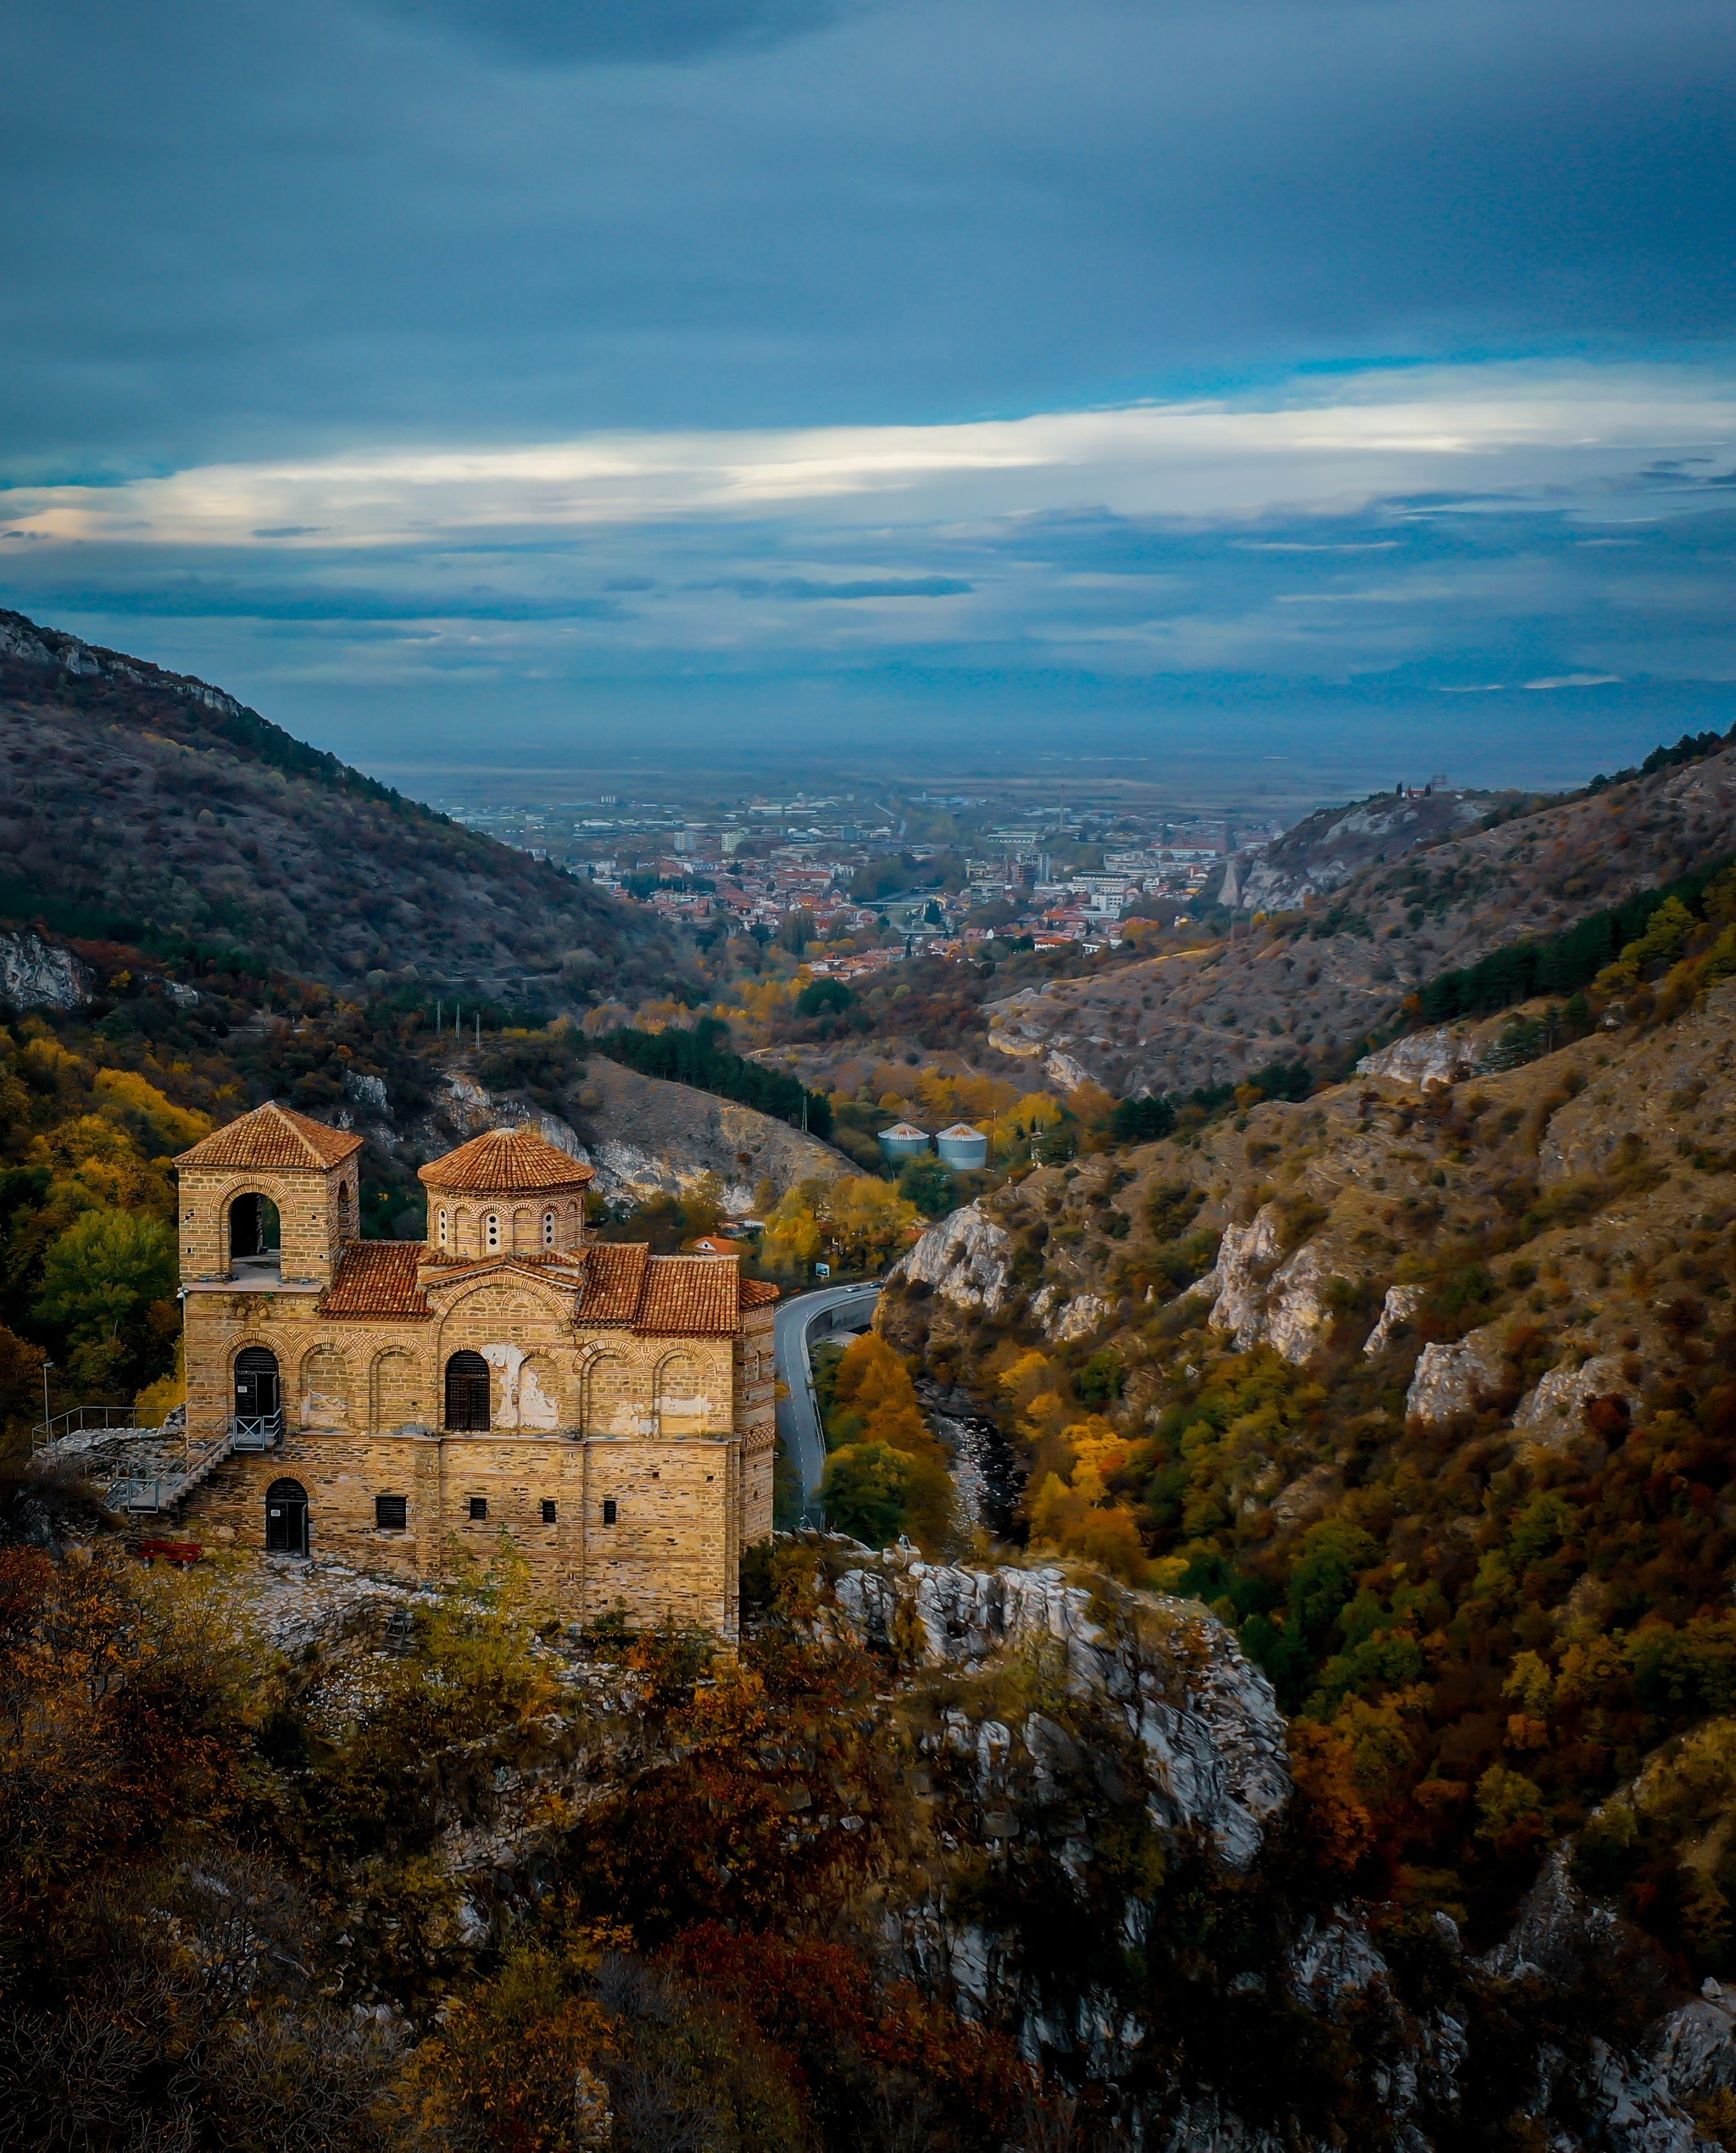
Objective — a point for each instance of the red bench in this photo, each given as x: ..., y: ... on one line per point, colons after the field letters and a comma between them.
x: 181, y: 1553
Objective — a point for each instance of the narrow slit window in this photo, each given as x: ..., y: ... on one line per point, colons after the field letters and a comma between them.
x: 548, y: 1229
x: 490, y: 1229
x: 392, y: 1513
x: 608, y: 1510
x: 479, y: 1508
x: 443, y: 1229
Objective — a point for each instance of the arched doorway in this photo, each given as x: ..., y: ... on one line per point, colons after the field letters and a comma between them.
x: 285, y: 1518
x: 255, y: 1231
x: 467, y: 1394
x: 258, y: 1400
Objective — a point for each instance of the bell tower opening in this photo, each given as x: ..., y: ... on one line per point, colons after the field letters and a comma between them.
x: 255, y: 1233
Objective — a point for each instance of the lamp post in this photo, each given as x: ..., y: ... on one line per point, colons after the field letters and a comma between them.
x: 47, y: 1364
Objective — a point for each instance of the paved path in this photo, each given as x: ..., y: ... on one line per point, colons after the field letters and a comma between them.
x: 844, y: 1308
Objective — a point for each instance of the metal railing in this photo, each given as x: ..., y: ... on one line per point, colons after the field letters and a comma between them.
x: 148, y: 1493
x: 79, y: 1420
x: 257, y: 1432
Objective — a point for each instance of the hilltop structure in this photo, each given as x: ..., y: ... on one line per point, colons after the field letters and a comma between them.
x: 402, y: 1404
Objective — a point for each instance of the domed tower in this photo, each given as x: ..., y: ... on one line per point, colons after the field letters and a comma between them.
x: 508, y: 1194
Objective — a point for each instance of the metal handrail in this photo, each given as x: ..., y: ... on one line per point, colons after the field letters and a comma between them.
x: 78, y: 1419
x: 154, y: 1492
x: 257, y: 1432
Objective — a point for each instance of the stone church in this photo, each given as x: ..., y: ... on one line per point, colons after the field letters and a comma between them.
x: 401, y: 1403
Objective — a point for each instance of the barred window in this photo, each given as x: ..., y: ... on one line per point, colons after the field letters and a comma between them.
x: 479, y: 1507
x: 548, y: 1513
x: 392, y: 1513
x: 609, y: 1510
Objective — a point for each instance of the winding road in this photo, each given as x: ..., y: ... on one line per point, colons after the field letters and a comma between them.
x: 832, y: 1308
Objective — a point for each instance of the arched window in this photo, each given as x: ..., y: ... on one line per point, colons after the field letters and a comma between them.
x: 490, y: 1230
x: 442, y: 1227
x: 548, y: 1229
x: 467, y: 1394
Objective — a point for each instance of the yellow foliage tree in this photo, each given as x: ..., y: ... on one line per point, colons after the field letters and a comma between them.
x: 792, y: 1239
x: 866, y: 1223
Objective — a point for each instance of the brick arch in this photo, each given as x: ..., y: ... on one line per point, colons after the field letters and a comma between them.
x: 524, y: 1231
x: 323, y: 1397
x: 615, y: 1398
x: 678, y: 1394
x: 398, y: 1393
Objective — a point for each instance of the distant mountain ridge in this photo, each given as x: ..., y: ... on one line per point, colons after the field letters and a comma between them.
x: 143, y: 806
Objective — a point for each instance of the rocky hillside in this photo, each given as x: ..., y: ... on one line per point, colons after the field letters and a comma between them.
x: 957, y: 1857
x: 1311, y: 985
x: 1426, y: 1385
x: 139, y: 807
x: 644, y: 1136
x: 1321, y: 851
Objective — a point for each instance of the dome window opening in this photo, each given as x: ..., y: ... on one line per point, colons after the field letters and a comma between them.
x: 443, y: 1230
x: 490, y: 1231
x: 548, y: 1229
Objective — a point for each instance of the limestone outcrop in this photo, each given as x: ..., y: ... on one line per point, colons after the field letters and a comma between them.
x: 966, y: 1258
x: 1453, y: 1380
x: 1261, y: 1300
x: 1204, y: 1719
x: 35, y: 974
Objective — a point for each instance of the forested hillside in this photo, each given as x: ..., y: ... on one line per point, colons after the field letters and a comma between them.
x: 142, y: 808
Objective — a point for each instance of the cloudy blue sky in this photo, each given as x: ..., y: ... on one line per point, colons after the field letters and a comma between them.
x: 1346, y: 387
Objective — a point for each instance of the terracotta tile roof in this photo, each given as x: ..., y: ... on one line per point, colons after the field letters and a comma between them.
x: 756, y: 1292
x: 377, y: 1278
x: 690, y: 1293
x: 615, y: 1278
x: 273, y: 1138
x: 506, y: 1162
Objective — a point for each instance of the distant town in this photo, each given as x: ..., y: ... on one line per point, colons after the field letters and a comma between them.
x: 855, y: 881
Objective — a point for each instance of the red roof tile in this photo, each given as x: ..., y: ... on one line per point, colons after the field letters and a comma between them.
x: 506, y: 1162
x: 615, y: 1278
x: 273, y: 1138
x: 756, y: 1292
x: 377, y: 1278
x: 691, y: 1293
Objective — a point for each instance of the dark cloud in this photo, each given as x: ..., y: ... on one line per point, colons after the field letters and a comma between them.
x: 251, y: 228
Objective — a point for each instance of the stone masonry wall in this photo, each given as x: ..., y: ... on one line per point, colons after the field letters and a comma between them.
x: 315, y: 1220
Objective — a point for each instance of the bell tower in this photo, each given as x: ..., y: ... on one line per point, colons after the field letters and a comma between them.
x: 273, y: 1197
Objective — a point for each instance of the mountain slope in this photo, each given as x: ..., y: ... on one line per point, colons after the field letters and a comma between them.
x: 142, y: 806
x: 1429, y: 1388
x: 1325, y: 982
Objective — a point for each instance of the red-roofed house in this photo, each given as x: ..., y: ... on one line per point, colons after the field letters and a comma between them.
x: 386, y: 1401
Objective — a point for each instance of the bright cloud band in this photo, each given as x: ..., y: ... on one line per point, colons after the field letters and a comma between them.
x: 1385, y: 432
